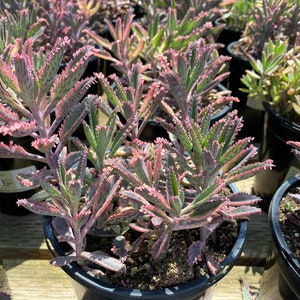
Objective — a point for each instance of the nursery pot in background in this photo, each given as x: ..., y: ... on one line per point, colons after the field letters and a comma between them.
x: 10, y: 188
x: 277, y: 131
x: 226, y: 36
x: 89, y: 288
x: 252, y: 114
x: 281, y: 278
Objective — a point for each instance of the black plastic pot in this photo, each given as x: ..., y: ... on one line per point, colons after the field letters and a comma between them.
x: 278, y: 130
x: 253, y: 116
x: 90, y: 288
x: 281, y: 278
x: 227, y: 35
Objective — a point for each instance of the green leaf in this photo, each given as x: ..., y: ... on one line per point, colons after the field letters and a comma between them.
x: 204, y: 196
x: 25, y: 78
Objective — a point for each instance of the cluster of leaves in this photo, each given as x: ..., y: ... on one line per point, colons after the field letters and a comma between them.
x: 189, y: 76
x: 47, y: 20
x: 271, y: 22
x: 156, y: 189
x: 115, y: 183
x: 38, y: 102
x: 275, y: 78
x: 237, y: 14
x: 15, y: 27
x: 133, y: 43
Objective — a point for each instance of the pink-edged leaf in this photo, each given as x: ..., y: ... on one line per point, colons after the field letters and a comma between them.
x: 45, y: 145
x: 157, y: 166
x: 125, y: 172
x: 19, y: 129
x: 154, y: 196
x: 71, y: 74
x: 156, y: 212
x: 48, y: 71
x: 237, y: 155
x: 64, y: 105
x: 25, y: 76
x: 8, y: 115
x: 207, y: 209
x: 243, y: 212
x: 122, y: 215
x: 8, y: 77
x: 104, y: 260
x: 242, y: 198
x: 61, y: 261
x: 72, y: 122
x: 40, y: 207
x: 247, y: 171
x: 16, y: 151
x: 204, y: 196
x: 136, y: 197
x: 195, y: 252
x: 160, y: 247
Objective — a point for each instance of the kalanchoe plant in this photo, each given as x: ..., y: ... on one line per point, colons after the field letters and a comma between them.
x: 178, y: 186
x: 186, y: 81
x: 38, y: 102
x: 190, y: 76
x: 65, y: 18
x: 132, y: 101
x: 139, y: 194
x: 15, y: 28
x: 150, y: 194
x: 270, y: 22
x: 134, y: 43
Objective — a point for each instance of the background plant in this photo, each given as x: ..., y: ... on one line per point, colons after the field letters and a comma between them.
x: 134, y: 43
x: 270, y: 22
x: 237, y: 14
x: 275, y: 78
x: 15, y: 27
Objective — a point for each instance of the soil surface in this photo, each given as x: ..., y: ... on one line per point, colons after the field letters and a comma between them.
x: 141, y: 273
x: 289, y: 220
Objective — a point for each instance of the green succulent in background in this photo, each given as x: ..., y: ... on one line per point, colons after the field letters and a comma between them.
x: 237, y: 14
x: 275, y: 78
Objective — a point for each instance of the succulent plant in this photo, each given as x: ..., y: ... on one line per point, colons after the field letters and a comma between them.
x: 155, y: 190
x: 132, y: 193
x: 273, y: 19
x: 190, y: 76
x: 192, y: 73
x: 275, y: 79
x: 38, y: 102
x: 132, y: 42
x: 237, y: 14
x: 15, y: 28
x: 113, y: 184
x: 62, y: 18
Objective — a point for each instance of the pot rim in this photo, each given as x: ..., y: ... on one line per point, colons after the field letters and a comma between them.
x: 281, y: 119
x: 277, y: 234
